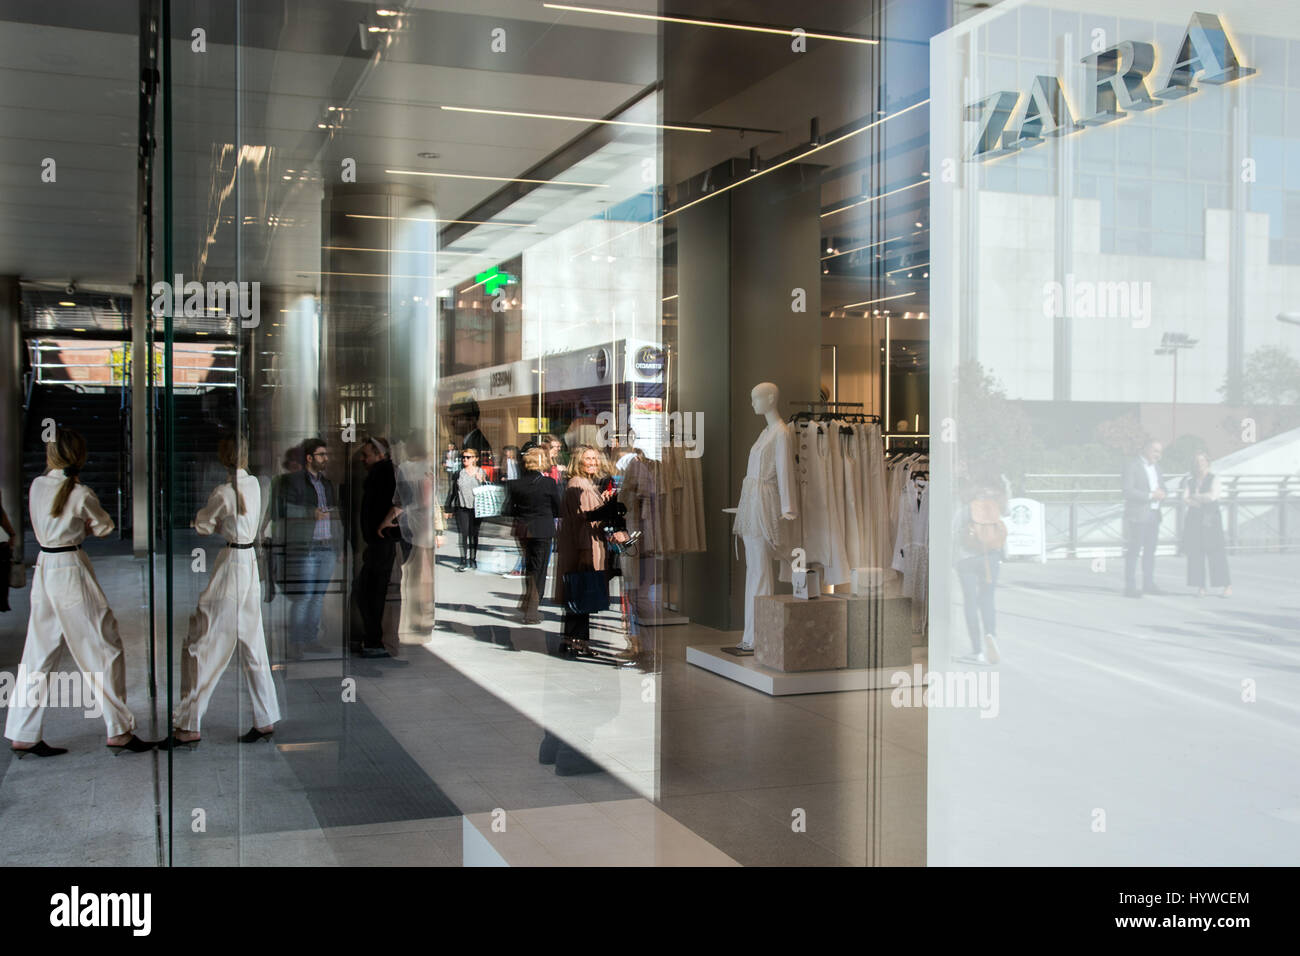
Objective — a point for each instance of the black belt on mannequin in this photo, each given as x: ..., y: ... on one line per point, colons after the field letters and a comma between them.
x: 71, y: 547
x: 235, y: 544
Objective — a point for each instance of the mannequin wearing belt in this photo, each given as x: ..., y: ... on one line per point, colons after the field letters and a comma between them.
x: 767, y: 502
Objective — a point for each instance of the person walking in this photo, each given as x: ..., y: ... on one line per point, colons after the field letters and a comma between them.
x: 229, y: 611
x: 460, y: 504
x: 8, y: 552
x: 371, y: 588
x: 533, y: 501
x: 1203, y: 529
x: 68, y: 605
x: 416, y: 516
x: 312, y: 536
x: 1144, y: 491
x: 979, y: 536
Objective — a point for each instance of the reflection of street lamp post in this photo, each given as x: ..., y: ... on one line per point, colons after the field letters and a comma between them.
x: 1171, y: 343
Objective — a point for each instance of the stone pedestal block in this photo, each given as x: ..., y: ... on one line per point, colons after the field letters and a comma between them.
x: 879, y: 631
x: 795, y: 635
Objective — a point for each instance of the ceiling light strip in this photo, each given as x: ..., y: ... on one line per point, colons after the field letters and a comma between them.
x: 922, y: 265
x: 466, y: 222
x: 854, y: 305
x: 495, y: 179
x: 691, y: 21
x: 836, y: 255
x: 577, y: 119
x: 870, y: 199
x: 762, y: 172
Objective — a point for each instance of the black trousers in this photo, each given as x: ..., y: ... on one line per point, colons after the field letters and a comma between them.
x: 1203, y: 541
x: 1141, y: 537
x: 537, y: 555
x: 371, y: 589
x: 467, y: 528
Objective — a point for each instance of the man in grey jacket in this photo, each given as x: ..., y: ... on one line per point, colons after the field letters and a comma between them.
x: 1144, y: 491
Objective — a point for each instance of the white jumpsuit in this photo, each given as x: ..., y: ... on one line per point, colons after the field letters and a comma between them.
x: 67, y: 604
x: 229, y: 613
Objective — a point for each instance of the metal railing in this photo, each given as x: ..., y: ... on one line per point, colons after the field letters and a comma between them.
x: 1084, y: 513
x: 225, y: 375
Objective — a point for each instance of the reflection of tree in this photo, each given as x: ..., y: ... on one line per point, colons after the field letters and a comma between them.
x: 1123, y: 436
x: 993, y: 433
x: 1271, y: 378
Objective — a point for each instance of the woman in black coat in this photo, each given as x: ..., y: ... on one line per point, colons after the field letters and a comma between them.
x: 533, y: 501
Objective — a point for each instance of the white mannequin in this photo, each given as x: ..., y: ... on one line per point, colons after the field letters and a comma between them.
x: 767, y: 500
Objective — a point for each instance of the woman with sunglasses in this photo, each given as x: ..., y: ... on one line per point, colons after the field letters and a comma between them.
x: 460, y: 505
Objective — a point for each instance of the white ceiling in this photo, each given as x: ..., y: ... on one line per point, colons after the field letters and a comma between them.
x: 71, y: 94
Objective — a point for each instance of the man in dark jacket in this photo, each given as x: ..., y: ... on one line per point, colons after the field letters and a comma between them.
x: 371, y: 589
x: 312, y: 537
x: 1144, y: 490
x: 533, y: 501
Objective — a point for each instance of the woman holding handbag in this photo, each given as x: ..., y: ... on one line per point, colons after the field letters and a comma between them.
x: 460, y: 503
x: 581, y: 578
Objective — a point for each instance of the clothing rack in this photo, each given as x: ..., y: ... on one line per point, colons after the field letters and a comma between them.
x: 830, y: 409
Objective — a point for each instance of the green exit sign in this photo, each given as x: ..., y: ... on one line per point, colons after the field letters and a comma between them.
x: 494, y: 279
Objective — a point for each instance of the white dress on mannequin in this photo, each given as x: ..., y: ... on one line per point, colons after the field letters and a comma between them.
x: 766, y: 494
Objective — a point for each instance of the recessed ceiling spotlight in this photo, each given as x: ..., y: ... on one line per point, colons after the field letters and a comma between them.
x: 919, y: 225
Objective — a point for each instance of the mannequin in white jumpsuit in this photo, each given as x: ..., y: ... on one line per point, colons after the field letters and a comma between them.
x: 67, y: 604
x: 229, y: 612
x: 767, y: 502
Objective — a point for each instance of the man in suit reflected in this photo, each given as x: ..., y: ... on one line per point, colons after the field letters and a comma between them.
x: 1144, y: 493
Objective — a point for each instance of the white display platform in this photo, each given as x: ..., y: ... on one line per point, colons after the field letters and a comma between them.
x: 746, y: 670
x: 631, y: 832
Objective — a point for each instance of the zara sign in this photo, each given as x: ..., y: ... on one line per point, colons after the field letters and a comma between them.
x: 1117, y: 81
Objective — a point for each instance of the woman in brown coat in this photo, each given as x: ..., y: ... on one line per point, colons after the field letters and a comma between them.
x: 579, y: 545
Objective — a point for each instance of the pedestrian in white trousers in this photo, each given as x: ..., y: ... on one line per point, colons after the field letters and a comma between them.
x: 229, y: 611
x: 68, y: 605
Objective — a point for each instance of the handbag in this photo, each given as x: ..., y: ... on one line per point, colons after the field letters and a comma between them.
x: 489, y: 500
x: 586, y: 591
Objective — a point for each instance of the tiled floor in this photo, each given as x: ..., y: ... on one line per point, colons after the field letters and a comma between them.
x: 818, y: 779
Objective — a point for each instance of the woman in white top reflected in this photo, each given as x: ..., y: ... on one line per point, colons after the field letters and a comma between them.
x: 229, y: 611
x: 68, y: 605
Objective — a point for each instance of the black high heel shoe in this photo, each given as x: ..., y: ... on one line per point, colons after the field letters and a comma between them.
x: 175, y: 743
x: 39, y: 749
x: 254, y: 735
x: 135, y: 745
